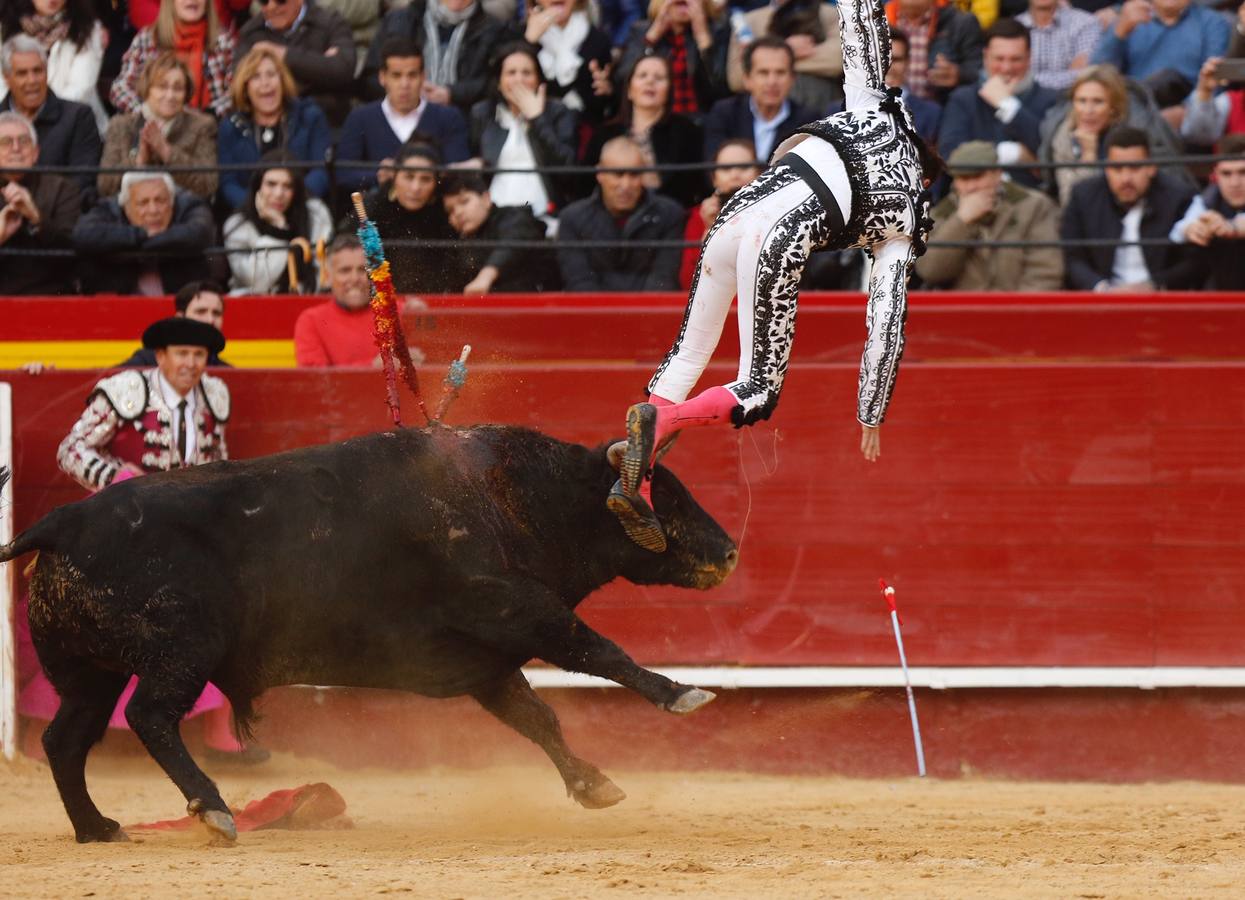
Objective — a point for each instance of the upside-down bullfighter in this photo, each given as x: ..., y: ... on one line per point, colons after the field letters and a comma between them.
x: 437, y: 561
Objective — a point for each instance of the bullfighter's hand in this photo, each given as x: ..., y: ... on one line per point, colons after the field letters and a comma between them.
x: 870, y: 442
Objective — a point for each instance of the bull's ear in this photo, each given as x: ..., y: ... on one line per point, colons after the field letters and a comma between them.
x: 615, y: 454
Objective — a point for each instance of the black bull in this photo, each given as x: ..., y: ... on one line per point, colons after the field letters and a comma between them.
x: 435, y: 561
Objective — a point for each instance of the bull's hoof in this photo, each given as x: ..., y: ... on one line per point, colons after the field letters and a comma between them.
x: 108, y: 831
x: 219, y: 824
x: 601, y: 795
x: 637, y: 519
x: 690, y: 700
x: 641, y: 442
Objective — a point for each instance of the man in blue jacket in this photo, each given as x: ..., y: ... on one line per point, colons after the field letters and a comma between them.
x: 374, y: 132
x: 1006, y: 107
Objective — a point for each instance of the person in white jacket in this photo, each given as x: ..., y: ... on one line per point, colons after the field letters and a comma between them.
x: 855, y: 179
x: 276, y: 222
x: 74, y: 41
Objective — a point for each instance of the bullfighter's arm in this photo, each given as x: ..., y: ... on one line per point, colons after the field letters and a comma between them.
x: 83, y: 454
x: 866, y: 42
x: 887, y: 308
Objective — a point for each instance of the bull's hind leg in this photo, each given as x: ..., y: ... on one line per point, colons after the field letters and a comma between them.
x: 523, y: 618
x: 513, y: 701
x: 88, y: 696
x: 155, y: 712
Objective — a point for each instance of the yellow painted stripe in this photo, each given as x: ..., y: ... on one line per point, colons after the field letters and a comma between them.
x: 256, y: 354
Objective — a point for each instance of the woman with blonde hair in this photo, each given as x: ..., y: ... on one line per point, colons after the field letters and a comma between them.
x: 686, y: 34
x: 269, y: 115
x: 192, y: 31
x: 1099, y: 100
x: 163, y: 132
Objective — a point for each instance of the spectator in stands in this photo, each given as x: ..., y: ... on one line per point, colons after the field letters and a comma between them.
x: 618, y: 16
x: 1129, y: 203
x: 765, y: 115
x: 202, y: 301
x: 37, y: 212
x: 926, y: 114
x: 1062, y: 38
x: 191, y: 29
x: 574, y: 55
x: 282, y: 226
x: 501, y: 269
x: 363, y: 17
x: 622, y: 209
x: 163, y: 132
x: 1215, y: 223
x: 983, y: 207
x: 149, y: 240
x: 73, y: 39
x: 1074, y: 130
x: 313, y: 43
x: 519, y: 128
x: 67, y: 132
x: 339, y: 332
x: 1163, y: 43
x: 944, y: 45
x: 458, y: 38
x: 269, y: 115
x: 811, y: 30
x: 374, y: 132
x: 1006, y: 108
x: 144, y: 12
x: 1209, y: 115
x: 737, y: 158
x: 684, y: 34
x: 663, y: 136
x: 408, y: 210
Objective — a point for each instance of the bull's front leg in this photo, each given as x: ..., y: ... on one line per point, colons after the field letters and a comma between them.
x: 522, y: 617
x: 513, y: 701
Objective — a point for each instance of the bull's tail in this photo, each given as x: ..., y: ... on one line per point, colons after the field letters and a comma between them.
x: 37, y: 537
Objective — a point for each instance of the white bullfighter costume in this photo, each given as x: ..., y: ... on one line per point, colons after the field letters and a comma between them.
x: 855, y: 179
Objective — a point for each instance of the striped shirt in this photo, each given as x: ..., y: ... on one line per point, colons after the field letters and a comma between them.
x: 1071, y: 33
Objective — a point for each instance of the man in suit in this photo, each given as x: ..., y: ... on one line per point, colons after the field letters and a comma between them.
x: 764, y: 115
x: 67, y: 132
x: 374, y: 132
x: 1006, y: 108
x: 1128, y: 203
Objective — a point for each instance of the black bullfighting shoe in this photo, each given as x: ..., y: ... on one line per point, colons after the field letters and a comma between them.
x: 641, y: 442
x: 637, y: 518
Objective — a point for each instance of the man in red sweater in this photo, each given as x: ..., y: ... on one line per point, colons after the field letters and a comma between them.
x: 338, y: 332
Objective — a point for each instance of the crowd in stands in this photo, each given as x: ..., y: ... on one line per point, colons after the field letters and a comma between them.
x: 163, y: 142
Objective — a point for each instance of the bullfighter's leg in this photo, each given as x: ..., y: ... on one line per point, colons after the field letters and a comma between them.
x: 154, y: 713
x: 513, y: 701
x: 525, y: 619
x: 88, y: 695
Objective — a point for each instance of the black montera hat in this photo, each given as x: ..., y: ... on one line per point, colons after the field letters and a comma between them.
x: 177, y: 330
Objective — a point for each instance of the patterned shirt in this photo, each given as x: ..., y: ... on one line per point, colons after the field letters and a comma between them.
x: 682, y: 89
x: 1071, y: 33
x: 918, y: 32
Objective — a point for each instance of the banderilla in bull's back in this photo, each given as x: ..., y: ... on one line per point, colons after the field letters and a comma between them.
x: 437, y: 561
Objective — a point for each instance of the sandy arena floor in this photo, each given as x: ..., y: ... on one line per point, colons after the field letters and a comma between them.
x: 510, y: 833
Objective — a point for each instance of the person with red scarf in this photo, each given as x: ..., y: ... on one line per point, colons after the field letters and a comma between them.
x: 192, y: 30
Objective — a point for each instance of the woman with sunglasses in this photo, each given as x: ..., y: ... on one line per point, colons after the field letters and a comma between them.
x: 269, y: 115
x: 855, y: 179
x: 191, y: 30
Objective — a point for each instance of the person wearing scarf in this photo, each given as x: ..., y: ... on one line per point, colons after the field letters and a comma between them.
x: 163, y: 132
x: 572, y: 50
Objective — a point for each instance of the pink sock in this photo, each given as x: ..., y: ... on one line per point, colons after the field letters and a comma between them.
x: 707, y: 408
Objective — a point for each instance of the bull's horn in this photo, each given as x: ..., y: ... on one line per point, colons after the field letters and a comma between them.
x: 615, y: 453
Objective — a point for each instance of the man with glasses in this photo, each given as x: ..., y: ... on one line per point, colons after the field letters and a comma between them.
x: 316, y: 45
x: 67, y: 132
x: 38, y: 213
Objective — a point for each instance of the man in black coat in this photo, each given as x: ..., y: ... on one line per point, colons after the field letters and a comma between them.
x: 37, y: 212
x: 621, y: 210
x: 148, y: 240
x: 497, y: 269
x: 456, y: 60
x: 1128, y: 203
x: 67, y: 132
x: 317, y: 46
x: 1214, y: 223
x: 764, y: 115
